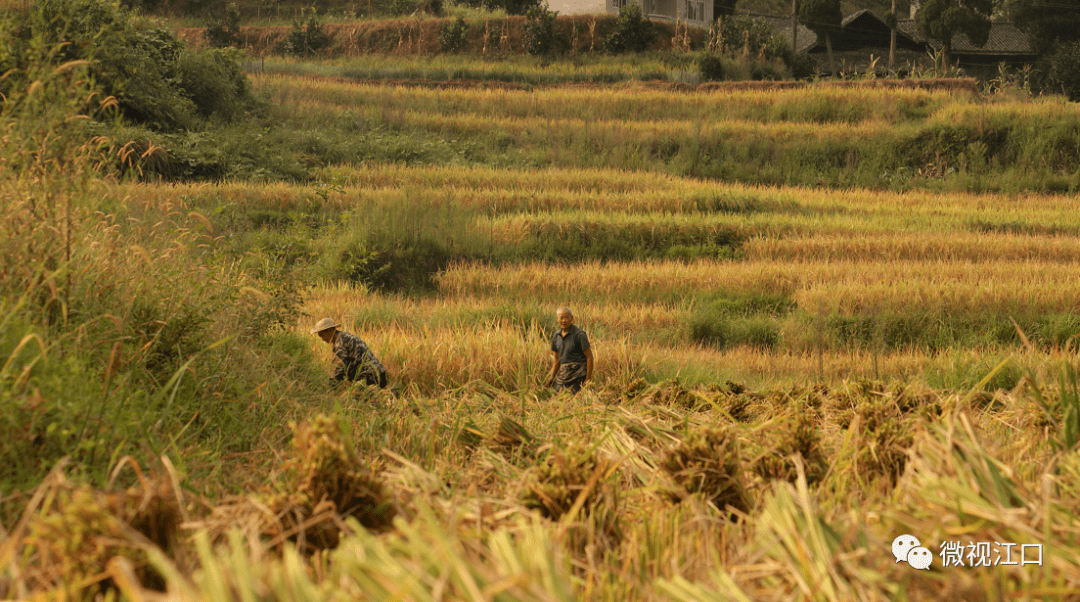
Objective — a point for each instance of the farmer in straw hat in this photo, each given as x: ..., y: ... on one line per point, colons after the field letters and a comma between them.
x: 357, y: 361
x: 572, y: 356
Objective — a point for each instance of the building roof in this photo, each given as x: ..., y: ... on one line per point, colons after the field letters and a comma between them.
x: 1005, y: 38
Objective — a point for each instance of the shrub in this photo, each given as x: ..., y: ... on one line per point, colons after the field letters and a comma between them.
x: 225, y: 33
x: 215, y: 83
x: 741, y: 34
x: 711, y: 67
x: 517, y: 7
x: 633, y: 32
x: 540, y: 36
x: 1061, y: 72
x: 454, y: 35
x: 740, y: 320
x: 135, y: 64
x: 306, y: 40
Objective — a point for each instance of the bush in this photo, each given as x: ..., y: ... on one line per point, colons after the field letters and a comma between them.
x: 215, y: 83
x: 740, y: 320
x: 226, y: 33
x: 1061, y: 72
x: 800, y: 65
x: 156, y: 83
x: 517, y: 7
x: 741, y: 34
x: 135, y: 64
x: 306, y: 40
x: 633, y: 32
x: 454, y: 35
x: 540, y: 37
x: 711, y: 68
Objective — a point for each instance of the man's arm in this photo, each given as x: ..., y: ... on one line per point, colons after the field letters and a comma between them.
x: 588, y: 364
x: 554, y: 369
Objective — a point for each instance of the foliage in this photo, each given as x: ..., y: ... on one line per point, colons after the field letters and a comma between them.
x: 890, y: 20
x: 156, y: 83
x: 1049, y: 24
x: 134, y: 63
x: 633, y: 32
x: 518, y: 7
x: 226, y: 32
x: 942, y: 19
x: 822, y: 17
x: 216, y: 84
x: 740, y: 34
x: 1060, y: 72
x: 453, y: 37
x: 539, y: 35
x: 711, y: 67
x: 740, y: 320
x: 306, y: 39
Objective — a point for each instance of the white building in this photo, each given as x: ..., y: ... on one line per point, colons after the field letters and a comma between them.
x: 692, y: 12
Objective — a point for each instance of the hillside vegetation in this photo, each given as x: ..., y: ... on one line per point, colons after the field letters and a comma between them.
x: 824, y: 314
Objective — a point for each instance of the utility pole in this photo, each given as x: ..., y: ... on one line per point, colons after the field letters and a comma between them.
x: 795, y: 26
x: 892, y: 36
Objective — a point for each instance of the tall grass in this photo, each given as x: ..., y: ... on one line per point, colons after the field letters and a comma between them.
x: 121, y: 335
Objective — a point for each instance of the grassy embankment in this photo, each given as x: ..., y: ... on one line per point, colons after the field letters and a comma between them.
x: 790, y: 488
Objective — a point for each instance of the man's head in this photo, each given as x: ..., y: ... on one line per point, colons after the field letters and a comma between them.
x: 565, y: 317
x: 325, y: 328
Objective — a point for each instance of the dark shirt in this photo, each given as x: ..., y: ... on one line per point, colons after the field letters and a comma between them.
x: 357, y: 361
x: 571, y: 348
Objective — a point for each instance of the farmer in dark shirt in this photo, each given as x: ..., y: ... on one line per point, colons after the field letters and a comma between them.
x: 358, y: 363
x: 572, y: 356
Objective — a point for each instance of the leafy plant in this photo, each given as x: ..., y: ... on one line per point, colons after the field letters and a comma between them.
x: 454, y: 35
x: 226, y: 32
x: 633, y: 32
x: 1060, y: 73
x: 306, y: 39
x: 539, y: 34
x: 1062, y: 413
x: 711, y: 67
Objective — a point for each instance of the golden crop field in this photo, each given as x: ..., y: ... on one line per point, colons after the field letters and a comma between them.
x: 822, y: 318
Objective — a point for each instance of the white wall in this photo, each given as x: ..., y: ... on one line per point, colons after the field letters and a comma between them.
x: 577, y: 7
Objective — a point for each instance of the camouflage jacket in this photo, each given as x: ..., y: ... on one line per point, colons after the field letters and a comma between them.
x: 356, y: 359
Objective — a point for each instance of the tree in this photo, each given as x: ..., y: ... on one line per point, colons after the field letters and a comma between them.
x: 1061, y: 72
x: 823, y: 18
x: 942, y: 19
x: 1049, y: 24
x: 633, y: 32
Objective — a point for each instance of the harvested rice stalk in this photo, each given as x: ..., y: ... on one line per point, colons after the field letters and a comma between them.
x: 80, y: 529
x: 790, y: 435
x: 326, y: 481
x: 511, y: 436
x: 571, y: 472
x: 706, y: 463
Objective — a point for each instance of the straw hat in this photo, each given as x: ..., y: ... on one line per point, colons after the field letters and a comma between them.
x: 324, y: 324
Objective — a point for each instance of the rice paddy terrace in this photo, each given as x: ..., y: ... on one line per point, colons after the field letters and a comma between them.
x: 824, y: 316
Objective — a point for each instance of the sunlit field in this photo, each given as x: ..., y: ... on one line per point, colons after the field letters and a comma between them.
x: 822, y: 318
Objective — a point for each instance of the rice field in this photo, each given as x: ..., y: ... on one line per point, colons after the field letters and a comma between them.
x: 792, y: 369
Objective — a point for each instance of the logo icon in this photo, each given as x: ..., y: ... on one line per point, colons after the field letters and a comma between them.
x: 902, y: 545
x: 920, y: 558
